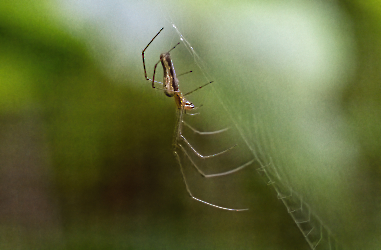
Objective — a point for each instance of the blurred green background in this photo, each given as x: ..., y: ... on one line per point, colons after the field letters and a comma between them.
x: 86, y: 156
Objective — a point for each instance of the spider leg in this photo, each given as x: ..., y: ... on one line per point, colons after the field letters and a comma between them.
x: 177, y: 145
x: 205, y: 133
x: 214, y: 175
x: 197, y: 199
x: 190, y: 92
x: 193, y: 114
x: 144, y: 64
x: 205, y: 156
x: 184, y: 73
x: 154, y: 72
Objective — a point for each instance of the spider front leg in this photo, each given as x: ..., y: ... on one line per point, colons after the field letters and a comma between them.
x: 144, y: 64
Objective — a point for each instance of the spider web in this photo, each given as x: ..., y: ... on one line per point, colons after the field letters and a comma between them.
x: 274, y: 85
x: 262, y: 142
x: 310, y: 225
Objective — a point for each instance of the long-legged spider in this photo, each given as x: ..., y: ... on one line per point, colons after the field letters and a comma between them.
x: 170, y: 86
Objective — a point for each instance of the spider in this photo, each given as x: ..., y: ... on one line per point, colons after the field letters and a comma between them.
x: 170, y: 86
